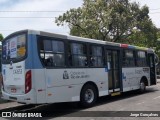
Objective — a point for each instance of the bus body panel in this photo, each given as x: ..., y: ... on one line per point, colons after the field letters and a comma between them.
x: 65, y: 84
x: 132, y: 77
x: 40, y: 85
x: 38, y: 72
x: 14, y: 77
x: 32, y: 61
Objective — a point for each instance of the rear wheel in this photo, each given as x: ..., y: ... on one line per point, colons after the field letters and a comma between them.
x: 142, y: 86
x: 88, y: 96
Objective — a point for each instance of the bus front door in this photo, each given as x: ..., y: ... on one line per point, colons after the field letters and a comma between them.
x: 152, y: 69
x: 113, y: 70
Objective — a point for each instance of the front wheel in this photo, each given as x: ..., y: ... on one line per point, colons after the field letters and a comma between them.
x: 88, y: 96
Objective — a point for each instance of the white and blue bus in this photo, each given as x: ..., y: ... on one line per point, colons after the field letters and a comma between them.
x: 40, y: 67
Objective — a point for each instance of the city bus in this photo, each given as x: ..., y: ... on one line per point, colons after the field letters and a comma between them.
x: 40, y: 67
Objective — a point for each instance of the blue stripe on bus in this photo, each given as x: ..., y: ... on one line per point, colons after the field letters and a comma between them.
x: 32, y: 61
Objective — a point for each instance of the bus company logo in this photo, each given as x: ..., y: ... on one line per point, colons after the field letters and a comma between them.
x: 65, y: 75
x: 6, y: 114
x: 22, y: 115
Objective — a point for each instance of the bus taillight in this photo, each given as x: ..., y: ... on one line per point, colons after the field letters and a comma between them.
x: 28, y: 81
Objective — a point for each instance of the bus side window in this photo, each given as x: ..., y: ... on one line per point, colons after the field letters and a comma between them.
x: 78, y: 55
x: 141, y: 59
x: 49, y: 62
x: 58, y: 53
x: 52, y: 53
x: 69, y: 57
x: 128, y: 58
x: 96, y: 57
x: 125, y: 63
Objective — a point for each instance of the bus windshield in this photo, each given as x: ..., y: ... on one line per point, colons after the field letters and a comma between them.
x: 14, y: 48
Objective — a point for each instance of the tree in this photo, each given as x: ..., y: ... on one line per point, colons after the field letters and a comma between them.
x: 158, y: 33
x: 1, y: 37
x: 110, y: 20
x: 158, y: 43
x: 146, y: 36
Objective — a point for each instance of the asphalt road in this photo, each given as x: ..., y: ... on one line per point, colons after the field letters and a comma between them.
x: 145, y: 103
x: 117, y: 106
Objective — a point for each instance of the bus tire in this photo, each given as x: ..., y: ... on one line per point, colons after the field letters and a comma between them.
x: 142, y: 88
x: 88, y: 96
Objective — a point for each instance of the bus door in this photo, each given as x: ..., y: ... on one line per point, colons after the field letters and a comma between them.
x: 152, y: 68
x: 112, y: 59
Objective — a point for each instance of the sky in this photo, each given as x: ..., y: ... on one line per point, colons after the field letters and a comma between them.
x: 17, y: 15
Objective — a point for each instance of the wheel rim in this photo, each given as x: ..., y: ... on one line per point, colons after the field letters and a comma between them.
x: 89, y: 96
x: 142, y: 86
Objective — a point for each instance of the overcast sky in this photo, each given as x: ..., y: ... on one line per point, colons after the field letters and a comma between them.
x: 12, y: 19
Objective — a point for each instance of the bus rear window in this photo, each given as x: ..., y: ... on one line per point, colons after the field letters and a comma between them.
x: 14, y: 48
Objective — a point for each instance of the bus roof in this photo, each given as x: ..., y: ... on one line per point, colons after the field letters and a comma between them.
x: 48, y: 34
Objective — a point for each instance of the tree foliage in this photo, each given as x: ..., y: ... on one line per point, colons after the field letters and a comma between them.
x: 111, y: 20
x: 1, y: 37
x: 158, y: 43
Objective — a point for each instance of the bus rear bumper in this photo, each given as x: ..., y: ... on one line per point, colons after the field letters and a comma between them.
x: 28, y: 98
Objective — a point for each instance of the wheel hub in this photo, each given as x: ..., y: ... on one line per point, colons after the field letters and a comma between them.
x: 89, y: 95
x: 142, y: 86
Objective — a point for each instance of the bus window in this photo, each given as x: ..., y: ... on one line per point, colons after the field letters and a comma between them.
x: 109, y: 59
x: 128, y: 58
x: 96, y: 56
x: 141, y: 59
x: 14, y: 48
x: 52, y: 53
x: 78, y: 55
